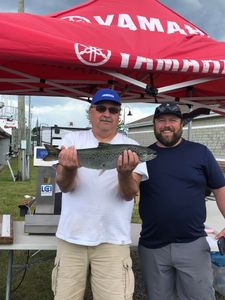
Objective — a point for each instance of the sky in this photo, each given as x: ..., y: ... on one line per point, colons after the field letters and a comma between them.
x: 208, y: 15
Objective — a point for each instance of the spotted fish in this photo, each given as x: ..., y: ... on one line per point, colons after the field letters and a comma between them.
x: 104, y: 156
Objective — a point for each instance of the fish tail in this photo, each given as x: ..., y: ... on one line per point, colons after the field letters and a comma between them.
x: 53, y: 153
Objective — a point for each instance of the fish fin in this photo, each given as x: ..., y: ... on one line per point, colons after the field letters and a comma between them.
x: 101, y: 172
x: 104, y: 144
x: 188, y: 117
x: 53, y: 152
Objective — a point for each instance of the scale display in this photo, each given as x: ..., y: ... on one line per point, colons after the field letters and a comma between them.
x: 39, y: 153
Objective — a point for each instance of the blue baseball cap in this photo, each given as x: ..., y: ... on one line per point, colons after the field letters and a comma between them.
x: 106, y: 95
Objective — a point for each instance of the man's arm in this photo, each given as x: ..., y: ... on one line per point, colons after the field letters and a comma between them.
x: 220, y: 200
x: 67, y: 169
x: 129, y: 181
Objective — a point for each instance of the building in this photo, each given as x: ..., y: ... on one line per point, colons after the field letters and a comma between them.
x: 4, y: 146
x: 8, y: 115
x: 8, y: 122
x: 53, y: 134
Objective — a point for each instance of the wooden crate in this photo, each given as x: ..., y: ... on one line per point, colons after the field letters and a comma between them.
x: 6, y: 229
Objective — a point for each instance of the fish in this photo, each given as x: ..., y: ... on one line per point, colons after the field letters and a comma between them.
x: 188, y: 117
x: 104, y: 156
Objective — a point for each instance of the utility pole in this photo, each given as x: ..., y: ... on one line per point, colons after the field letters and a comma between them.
x: 22, y: 140
x: 28, y: 152
x: 21, y: 6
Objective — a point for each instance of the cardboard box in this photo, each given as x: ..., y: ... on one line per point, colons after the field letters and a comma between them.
x: 6, y: 229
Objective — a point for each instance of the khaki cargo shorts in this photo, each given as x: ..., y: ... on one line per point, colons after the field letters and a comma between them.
x: 109, y: 267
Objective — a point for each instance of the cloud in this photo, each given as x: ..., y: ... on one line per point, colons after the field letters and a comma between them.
x: 76, y: 111
x: 207, y: 15
x: 62, y: 114
x: 138, y: 110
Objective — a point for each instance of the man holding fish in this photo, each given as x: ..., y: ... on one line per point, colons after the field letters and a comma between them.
x: 94, y: 227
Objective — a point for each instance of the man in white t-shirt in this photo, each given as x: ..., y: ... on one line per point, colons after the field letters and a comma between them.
x: 95, y: 222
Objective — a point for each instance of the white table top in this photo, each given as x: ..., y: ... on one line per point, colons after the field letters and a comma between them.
x: 25, y: 241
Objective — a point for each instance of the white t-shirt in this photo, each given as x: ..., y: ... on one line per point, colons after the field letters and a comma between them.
x: 94, y: 212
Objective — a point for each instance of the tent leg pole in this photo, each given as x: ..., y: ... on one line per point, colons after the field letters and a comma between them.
x: 11, y: 171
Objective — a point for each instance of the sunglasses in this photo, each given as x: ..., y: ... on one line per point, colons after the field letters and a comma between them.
x: 112, y: 109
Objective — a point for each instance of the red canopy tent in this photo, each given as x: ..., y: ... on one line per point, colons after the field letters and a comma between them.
x: 143, y: 50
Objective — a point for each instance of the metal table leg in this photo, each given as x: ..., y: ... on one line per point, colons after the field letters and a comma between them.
x: 9, y: 275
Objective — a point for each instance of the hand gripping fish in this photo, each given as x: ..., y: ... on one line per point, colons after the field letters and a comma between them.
x: 104, y: 156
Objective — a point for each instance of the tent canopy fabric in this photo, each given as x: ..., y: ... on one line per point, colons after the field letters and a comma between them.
x: 144, y: 50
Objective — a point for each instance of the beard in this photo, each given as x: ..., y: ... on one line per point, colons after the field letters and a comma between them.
x: 169, y: 141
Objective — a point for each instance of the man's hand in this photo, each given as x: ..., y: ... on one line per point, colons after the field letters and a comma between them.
x: 67, y: 169
x: 68, y: 158
x: 128, y: 180
x: 220, y: 234
x: 127, y: 162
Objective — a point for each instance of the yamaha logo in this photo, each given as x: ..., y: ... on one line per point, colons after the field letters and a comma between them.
x: 76, y: 19
x: 90, y: 55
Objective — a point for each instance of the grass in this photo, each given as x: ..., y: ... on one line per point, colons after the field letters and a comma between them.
x: 36, y: 284
x: 32, y: 274
x: 13, y: 193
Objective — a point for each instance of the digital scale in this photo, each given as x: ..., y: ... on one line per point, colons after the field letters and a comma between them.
x: 48, y: 200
